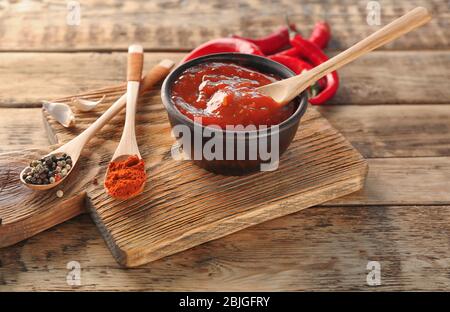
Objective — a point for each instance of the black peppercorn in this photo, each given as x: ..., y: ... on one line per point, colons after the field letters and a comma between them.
x: 45, y: 170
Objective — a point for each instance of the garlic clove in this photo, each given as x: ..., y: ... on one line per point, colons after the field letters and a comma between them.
x: 86, y: 105
x: 61, y: 112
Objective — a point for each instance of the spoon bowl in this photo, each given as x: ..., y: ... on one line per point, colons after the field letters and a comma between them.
x: 44, y: 187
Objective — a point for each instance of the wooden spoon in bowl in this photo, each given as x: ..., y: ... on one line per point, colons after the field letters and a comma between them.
x: 74, y: 147
x: 286, y: 90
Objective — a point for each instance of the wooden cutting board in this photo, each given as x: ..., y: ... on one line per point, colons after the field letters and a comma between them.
x: 182, y: 205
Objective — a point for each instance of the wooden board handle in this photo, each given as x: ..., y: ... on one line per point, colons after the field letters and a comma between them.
x: 135, y: 62
x: 156, y: 74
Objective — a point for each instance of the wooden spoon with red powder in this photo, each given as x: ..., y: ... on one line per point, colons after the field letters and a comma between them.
x: 126, y: 175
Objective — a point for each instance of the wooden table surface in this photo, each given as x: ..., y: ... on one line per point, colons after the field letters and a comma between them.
x: 393, y: 105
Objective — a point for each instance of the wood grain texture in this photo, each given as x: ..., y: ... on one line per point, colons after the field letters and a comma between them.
x: 325, y: 248
x: 394, y: 77
x: 405, y: 181
x: 407, y: 131
x: 380, y: 131
x: 183, y: 206
x: 376, y: 131
x: 63, y: 73
x: 25, y: 212
x: 21, y: 128
x: 389, y: 77
x: 112, y: 24
x: 385, y: 184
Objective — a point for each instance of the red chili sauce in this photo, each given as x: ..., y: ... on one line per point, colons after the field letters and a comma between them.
x: 225, y: 94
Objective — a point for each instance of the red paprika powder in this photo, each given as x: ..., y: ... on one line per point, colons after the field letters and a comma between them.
x: 125, y: 178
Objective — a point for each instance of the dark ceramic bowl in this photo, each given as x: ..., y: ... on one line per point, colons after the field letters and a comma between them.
x: 229, y: 158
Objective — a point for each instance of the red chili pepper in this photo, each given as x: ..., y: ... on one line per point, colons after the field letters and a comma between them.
x: 296, y: 54
x: 291, y: 52
x: 295, y: 64
x: 223, y: 45
x: 321, y: 34
x: 313, y: 53
x: 272, y: 43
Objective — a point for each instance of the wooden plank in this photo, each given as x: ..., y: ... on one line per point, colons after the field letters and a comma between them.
x: 434, y: 184
x: 106, y: 25
x: 399, y: 77
x: 52, y: 75
x: 406, y: 181
x: 396, y: 78
x: 393, y: 130
x: 418, y: 261
x: 321, y: 249
x: 379, y: 136
x: 410, y: 267
x: 21, y: 128
x: 377, y: 131
x: 426, y: 184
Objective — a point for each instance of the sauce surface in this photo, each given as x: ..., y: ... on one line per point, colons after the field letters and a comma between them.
x: 225, y: 94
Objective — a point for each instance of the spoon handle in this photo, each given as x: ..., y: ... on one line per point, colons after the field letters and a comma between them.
x: 128, y: 144
x: 388, y: 33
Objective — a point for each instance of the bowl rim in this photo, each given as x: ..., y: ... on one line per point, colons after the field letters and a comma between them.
x: 170, y: 106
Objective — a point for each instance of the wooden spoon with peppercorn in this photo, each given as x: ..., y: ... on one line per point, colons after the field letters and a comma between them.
x: 284, y: 91
x: 66, y: 156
